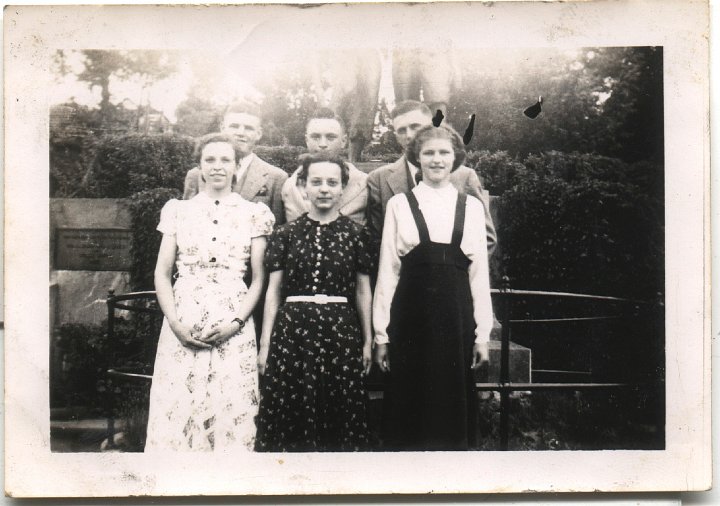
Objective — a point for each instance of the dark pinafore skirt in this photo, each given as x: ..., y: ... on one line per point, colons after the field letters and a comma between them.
x: 430, y: 402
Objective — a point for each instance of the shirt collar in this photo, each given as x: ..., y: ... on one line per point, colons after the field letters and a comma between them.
x: 444, y: 192
x: 244, y: 164
x: 309, y: 223
x: 233, y: 199
x: 413, y: 170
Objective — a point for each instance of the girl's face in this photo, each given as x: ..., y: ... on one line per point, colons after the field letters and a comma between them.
x: 436, y: 159
x: 324, y: 185
x: 217, y: 165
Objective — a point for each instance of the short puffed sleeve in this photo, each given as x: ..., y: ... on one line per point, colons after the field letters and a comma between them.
x: 276, y: 250
x: 262, y: 220
x: 168, y: 217
x: 367, y: 250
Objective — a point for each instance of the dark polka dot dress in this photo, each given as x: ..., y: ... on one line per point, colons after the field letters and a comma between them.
x: 312, y: 396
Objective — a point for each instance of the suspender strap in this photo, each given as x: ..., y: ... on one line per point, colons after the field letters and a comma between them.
x: 459, y: 225
x: 417, y: 215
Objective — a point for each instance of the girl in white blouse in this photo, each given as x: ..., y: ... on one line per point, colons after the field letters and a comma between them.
x: 432, y: 311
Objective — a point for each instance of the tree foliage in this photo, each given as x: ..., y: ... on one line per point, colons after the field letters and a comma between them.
x: 100, y: 67
x: 607, y: 101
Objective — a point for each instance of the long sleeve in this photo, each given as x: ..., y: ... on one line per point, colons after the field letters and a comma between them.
x: 388, y: 274
x: 276, y: 201
x: 474, y: 187
x: 374, y: 214
x: 478, y: 273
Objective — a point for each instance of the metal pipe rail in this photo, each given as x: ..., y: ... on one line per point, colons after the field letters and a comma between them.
x: 504, y: 386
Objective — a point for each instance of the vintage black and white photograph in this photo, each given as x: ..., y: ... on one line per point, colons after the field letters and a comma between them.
x: 334, y: 245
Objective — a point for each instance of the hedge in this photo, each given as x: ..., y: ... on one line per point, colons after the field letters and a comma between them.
x: 126, y: 164
x: 145, y: 207
x: 285, y: 157
x: 567, y: 221
x: 583, y: 223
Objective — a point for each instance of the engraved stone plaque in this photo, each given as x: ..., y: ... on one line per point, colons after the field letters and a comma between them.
x: 93, y: 249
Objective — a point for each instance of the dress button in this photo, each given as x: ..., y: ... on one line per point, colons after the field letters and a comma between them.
x: 214, y: 238
x: 217, y: 202
x: 212, y: 259
x: 215, y: 222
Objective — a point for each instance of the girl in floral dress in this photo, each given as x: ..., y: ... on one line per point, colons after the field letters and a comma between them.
x: 316, y: 343
x: 204, y: 393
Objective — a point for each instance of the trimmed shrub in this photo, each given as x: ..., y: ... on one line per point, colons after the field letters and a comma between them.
x: 284, y: 157
x: 126, y: 164
x: 579, y: 223
x: 498, y: 171
x: 145, y: 209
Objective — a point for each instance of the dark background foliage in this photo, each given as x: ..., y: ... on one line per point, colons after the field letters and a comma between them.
x: 126, y: 164
x: 145, y: 207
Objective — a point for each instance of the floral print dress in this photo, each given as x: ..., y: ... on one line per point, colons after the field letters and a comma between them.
x: 207, y: 400
x: 312, y: 396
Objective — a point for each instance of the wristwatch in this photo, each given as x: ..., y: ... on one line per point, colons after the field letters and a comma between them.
x: 240, y: 322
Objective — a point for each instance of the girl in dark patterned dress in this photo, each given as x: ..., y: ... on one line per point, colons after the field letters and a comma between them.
x: 316, y: 344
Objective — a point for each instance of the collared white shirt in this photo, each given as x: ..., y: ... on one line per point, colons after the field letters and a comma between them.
x: 413, y: 172
x: 243, y: 166
x: 400, y: 236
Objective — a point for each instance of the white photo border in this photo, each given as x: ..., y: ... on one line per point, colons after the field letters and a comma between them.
x: 32, y: 34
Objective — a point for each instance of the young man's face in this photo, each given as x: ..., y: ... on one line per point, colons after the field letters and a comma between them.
x: 325, y: 135
x: 245, y: 128
x: 405, y: 125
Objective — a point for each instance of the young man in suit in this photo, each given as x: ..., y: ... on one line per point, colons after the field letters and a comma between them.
x: 257, y: 180
x: 325, y: 132
x: 399, y: 177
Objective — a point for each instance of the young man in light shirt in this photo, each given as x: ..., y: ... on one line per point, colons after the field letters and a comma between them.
x: 325, y: 133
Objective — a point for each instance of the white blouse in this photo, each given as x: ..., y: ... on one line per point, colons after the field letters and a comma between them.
x: 400, y: 236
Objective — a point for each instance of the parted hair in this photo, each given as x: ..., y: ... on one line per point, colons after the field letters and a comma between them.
x: 412, y: 152
x: 203, y: 141
x: 306, y: 160
x: 408, y: 106
x: 325, y: 113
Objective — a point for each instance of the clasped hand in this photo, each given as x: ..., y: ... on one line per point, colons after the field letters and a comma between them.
x: 192, y: 338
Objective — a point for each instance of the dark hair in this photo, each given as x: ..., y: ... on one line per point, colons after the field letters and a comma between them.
x: 325, y: 113
x: 307, y: 159
x: 428, y: 132
x: 244, y: 108
x: 408, y: 106
x: 215, y: 137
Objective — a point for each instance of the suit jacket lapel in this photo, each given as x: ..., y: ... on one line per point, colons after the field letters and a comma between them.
x: 397, y: 180
x: 254, y: 180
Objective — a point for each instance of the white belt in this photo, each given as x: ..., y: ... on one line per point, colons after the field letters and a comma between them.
x: 317, y: 299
